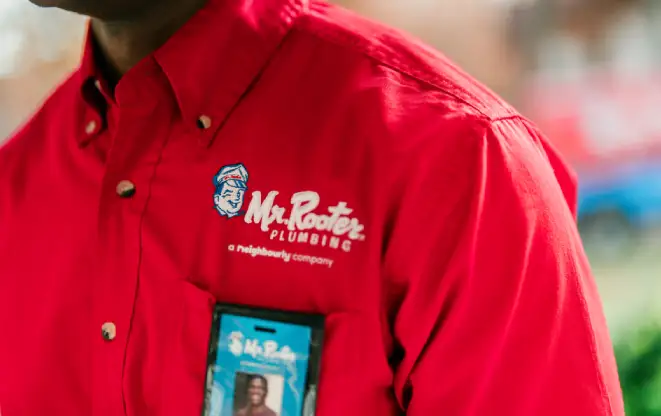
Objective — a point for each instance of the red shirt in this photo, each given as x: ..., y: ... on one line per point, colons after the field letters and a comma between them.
x: 289, y: 155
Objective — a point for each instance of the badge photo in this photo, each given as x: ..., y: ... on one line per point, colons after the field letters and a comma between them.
x: 262, y: 362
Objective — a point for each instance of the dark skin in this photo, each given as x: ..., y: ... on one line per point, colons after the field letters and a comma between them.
x: 257, y: 391
x: 126, y: 31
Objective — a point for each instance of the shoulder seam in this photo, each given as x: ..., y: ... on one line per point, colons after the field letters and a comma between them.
x: 506, y: 118
x: 390, y: 61
x: 381, y: 60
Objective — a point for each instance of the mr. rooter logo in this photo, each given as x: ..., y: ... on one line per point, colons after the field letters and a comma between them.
x: 299, y: 222
x: 269, y: 349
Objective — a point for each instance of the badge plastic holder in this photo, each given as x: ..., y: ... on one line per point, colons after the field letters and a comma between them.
x: 262, y: 362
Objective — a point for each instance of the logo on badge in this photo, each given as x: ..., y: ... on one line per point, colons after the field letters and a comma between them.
x: 231, y: 184
x: 258, y: 348
x: 236, y: 343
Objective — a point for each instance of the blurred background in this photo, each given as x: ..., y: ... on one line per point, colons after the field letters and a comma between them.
x: 587, y: 71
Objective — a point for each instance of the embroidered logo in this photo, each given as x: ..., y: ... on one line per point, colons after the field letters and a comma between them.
x: 302, y: 222
x: 231, y: 184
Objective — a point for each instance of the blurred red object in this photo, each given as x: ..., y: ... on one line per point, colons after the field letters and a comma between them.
x: 601, y: 120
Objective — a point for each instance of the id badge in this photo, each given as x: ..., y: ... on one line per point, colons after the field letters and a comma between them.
x: 262, y: 362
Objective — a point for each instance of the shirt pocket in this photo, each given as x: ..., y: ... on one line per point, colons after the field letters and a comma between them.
x: 187, y: 361
x: 355, y: 375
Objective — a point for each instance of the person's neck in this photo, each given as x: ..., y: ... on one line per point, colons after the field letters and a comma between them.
x: 122, y: 44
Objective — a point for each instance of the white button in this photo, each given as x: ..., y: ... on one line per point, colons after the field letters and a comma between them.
x: 97, y: 84
x: 204, y: 122
x: 109, y: 331
x: 91, y: 127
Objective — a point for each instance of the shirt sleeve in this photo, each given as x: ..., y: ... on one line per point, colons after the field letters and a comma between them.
x: 493, y: 305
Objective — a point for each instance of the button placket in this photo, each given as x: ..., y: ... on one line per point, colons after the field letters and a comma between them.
x: 119, y: 258
x: 139, y: 137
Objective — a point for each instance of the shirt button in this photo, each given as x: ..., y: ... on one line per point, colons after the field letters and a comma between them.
x: 109, y: 331
x: 97, y: 84
x: 204, y: 122
x: 91, y: 127
x: 125, y: 189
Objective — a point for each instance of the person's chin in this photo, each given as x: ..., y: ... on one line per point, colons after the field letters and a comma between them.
x: 83, y: 7
x: 69, y: 5
x: 46, y: 3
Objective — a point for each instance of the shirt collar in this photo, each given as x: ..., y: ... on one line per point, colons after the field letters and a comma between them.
x: 213, y: 59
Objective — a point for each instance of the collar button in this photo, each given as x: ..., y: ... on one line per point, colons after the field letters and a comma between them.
x: 91, y: 127
x: 125, y: 189
x: 204, y: 122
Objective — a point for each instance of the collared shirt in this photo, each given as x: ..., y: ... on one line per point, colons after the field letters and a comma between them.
x: 291, y: 155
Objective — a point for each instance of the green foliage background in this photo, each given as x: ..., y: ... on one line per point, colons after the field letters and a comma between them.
x: 639, y: 364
